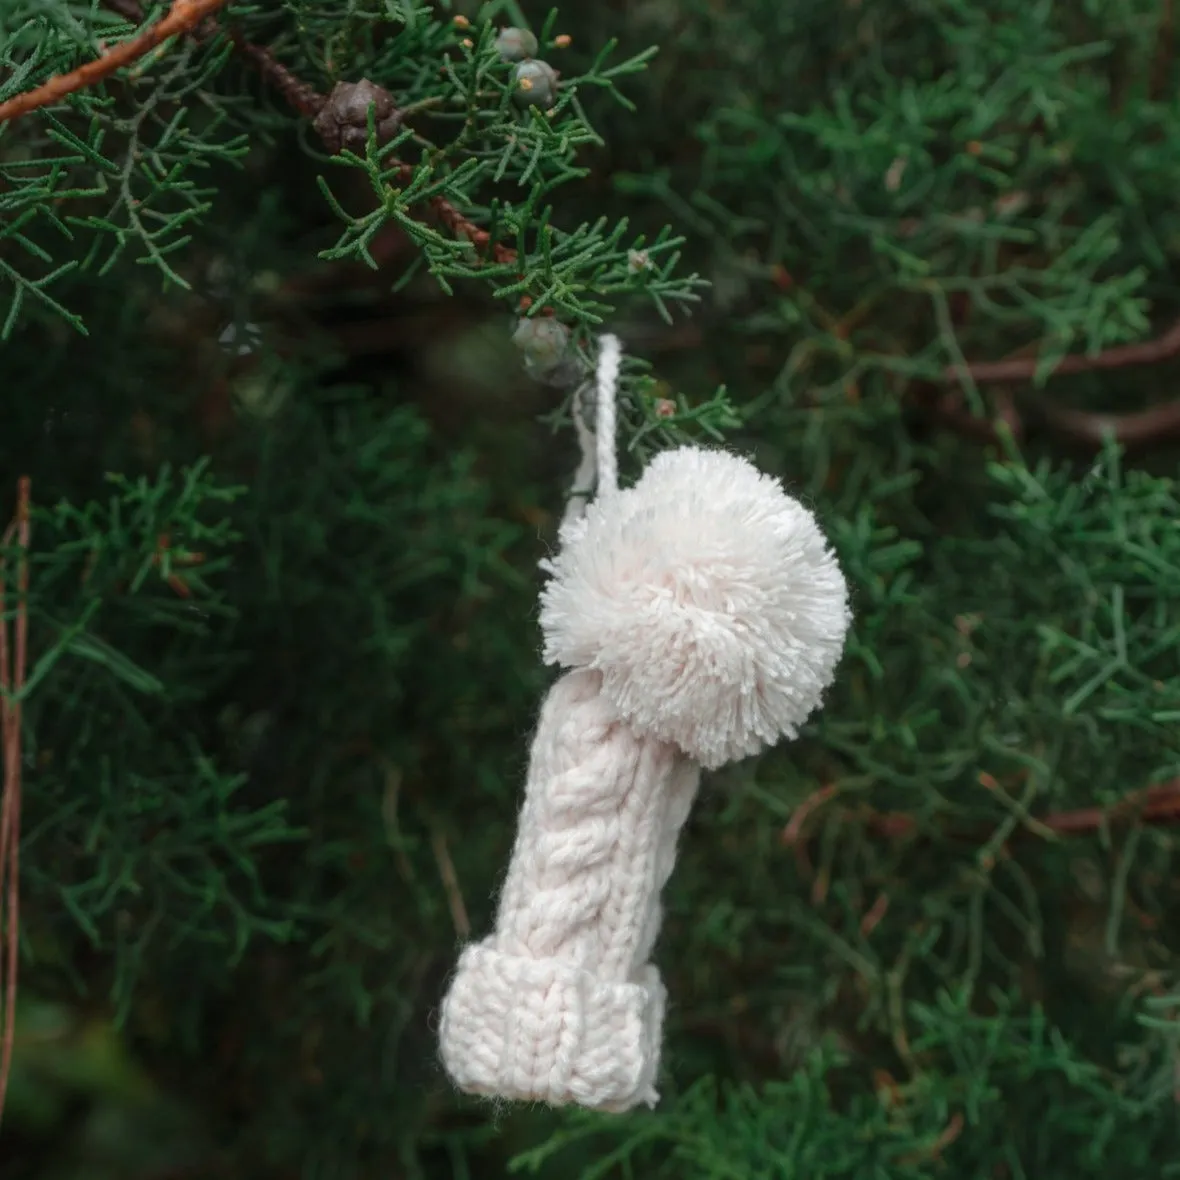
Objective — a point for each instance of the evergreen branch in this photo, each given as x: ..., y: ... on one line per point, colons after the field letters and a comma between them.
x: 12, y: 683
x: 182, y: 17
x: 433, y: 197
x: 331, y: 112
x: 336, y: 113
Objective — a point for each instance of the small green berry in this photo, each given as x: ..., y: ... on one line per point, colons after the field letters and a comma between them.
x: 515, y: 44
x: 535, y: 84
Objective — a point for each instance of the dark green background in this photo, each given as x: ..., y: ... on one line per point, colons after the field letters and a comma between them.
x: 242, y: 808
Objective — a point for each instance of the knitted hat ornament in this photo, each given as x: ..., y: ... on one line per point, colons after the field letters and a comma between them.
x: 699, y: 616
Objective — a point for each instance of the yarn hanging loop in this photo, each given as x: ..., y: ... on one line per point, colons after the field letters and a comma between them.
x: 598, y: 468
x: 606, y: 395
x: 699, y: 616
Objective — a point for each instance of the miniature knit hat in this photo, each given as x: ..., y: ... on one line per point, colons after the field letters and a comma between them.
x: 700, y: 615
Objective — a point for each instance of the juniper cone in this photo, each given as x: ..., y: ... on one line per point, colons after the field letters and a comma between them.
x: 343, y: 123
x: 290, y: 478
x: 516, y: 44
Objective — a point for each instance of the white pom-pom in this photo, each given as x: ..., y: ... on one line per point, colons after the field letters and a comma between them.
x: 709, y: 601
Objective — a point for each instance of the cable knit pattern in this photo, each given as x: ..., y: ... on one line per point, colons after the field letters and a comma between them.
x: 560, y: 1004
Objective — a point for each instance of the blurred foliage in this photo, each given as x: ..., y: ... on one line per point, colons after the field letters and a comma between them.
x: 292, y: 483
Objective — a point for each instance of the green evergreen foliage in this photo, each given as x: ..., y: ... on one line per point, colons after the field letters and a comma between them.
x: 291, y: 480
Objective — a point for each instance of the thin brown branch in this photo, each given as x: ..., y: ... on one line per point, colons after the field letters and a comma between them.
x: 1021, y: 369
x: 12, y: 682
x: 1158, y: 804
x: 933, y: 1151
x: 875, y: 913
x: 304, y: 98
x: 450, y: 881
x: 793, y: 832
x: 462, y: 227
x: 799, y: 817
x: 1131, y: 430
x: 182, y: 17
x: 1085, y: 427
x: 165, y: 556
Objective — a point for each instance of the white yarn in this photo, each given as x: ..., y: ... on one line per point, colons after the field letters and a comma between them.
x: 599, y: 463
x: 610, y: 359
x: 702, y: 616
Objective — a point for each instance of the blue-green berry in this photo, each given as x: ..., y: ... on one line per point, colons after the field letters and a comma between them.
x: 534, y: 84
x: 515, y: 44
x: 543, y: 340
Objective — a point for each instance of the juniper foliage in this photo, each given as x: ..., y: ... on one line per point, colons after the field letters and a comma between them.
x: 291, y: 484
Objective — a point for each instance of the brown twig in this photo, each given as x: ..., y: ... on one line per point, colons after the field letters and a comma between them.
x: 816, y: 799
x: 1131, y: 430
x: 304, y: 98
x: 933, y: 1151
x: 877, y: 911
x: 12, y: 682
x: 450, y: 881
x: 461, y: 226
x: 1086, y: 427
x: 1158, y: 804
x: 1024, y: 368
x: 182, y: 17
x: 165, y: 553
x: 792, y: 833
